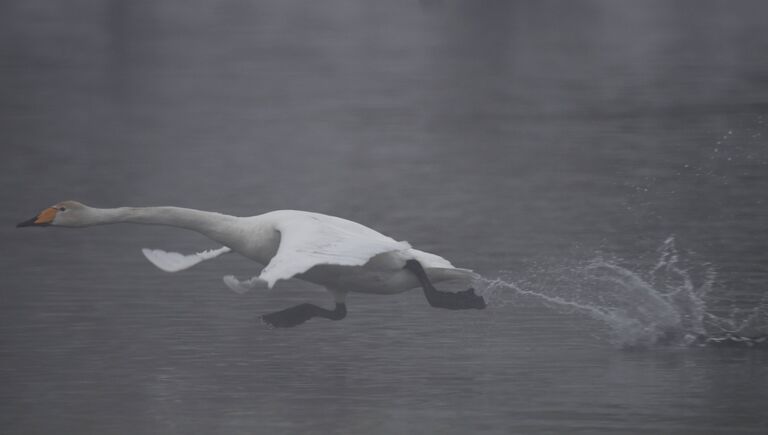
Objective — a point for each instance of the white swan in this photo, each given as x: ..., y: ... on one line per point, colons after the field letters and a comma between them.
x: 338, y: 254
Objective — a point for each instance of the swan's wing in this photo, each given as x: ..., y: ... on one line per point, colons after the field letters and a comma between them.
x: 309, y: 240
x: 174, y: 262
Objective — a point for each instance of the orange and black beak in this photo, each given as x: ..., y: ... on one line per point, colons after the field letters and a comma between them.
x: 41, y: 220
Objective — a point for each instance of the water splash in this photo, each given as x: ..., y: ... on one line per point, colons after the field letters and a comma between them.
x: 665, y: 305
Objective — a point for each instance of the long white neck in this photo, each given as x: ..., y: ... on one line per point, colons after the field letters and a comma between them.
x: 211, y: 224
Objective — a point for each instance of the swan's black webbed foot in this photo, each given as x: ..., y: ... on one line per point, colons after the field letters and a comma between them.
x: 463, y: 300
x: 299, y: 314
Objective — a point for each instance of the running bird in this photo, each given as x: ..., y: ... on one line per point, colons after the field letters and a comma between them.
x: 338, y: 254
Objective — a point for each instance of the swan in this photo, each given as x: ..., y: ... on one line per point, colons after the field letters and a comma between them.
x: 340, y: 255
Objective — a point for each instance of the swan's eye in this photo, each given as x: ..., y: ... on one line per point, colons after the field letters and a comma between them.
x: 62, y: 209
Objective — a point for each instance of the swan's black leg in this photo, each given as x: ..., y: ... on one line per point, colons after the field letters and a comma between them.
x: 464, y: 300
x: 299, y: 314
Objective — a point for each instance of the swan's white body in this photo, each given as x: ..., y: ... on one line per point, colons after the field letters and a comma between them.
x: 338, y: 254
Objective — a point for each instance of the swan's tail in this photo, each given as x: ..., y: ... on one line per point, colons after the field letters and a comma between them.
x: 438, y: 274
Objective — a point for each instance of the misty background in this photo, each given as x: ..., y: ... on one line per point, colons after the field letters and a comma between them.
x: 510, y: 137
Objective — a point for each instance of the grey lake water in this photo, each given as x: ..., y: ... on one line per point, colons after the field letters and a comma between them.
x: 602, y: 164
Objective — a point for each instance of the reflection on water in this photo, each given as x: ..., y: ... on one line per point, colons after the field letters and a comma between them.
x: 502, y: 135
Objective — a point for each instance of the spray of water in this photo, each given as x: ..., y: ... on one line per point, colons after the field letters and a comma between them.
x: 665, y: 305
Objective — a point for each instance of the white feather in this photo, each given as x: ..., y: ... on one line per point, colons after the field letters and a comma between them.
x: 242, y: 287
x: 311, y: 239
x: 428, y: 259
x: 174, y: 261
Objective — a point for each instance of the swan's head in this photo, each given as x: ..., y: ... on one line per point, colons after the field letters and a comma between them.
x: 64, y: 214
